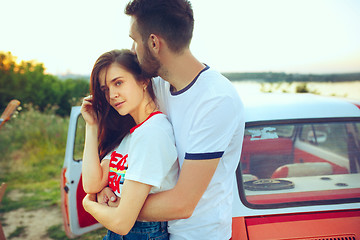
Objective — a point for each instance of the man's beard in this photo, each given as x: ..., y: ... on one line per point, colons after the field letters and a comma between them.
x: 150, y: 65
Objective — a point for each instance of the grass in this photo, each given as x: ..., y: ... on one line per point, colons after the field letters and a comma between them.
x: 56, y: 232
x: 19, y: 231
x: 32, y: 147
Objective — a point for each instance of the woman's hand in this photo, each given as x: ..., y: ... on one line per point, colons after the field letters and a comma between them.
x: 87, y: 111
x: 119, y: 219
x: 108, y: 197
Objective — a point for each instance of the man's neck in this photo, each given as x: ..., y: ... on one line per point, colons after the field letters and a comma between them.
x: 180, y: 70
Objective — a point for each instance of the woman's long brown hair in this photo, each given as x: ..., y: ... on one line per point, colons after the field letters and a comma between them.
x: 112, y: 126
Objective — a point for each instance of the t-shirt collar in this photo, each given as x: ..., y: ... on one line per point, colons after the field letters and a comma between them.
x: 137, y: 126
x: 190, y: 84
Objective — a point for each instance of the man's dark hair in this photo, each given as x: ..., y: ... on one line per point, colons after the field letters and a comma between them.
x: 172, y: 20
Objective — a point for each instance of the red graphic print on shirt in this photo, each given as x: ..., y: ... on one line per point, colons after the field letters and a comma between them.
x: 118, y: 167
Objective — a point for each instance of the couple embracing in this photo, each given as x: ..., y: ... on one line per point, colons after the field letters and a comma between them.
x: 163, y: 133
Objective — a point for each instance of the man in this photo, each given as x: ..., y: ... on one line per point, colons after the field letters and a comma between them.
x: 207, y: 116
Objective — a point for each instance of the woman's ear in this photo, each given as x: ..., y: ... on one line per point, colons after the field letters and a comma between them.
x: 145, y: 84
x: 154, y: 43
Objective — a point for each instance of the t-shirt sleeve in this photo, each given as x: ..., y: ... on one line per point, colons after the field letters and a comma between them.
x: 213, y: 128
x: 153, y: 153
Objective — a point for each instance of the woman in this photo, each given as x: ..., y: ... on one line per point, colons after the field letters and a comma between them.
x: 134, y: 142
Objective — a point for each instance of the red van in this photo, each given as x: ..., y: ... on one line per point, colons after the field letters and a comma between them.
x: 298, y: 177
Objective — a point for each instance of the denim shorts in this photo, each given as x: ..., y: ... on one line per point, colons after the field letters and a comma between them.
x: 142, y: 231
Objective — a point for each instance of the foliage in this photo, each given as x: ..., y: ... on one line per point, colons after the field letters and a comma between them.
x: 302, y: 88
x: 28, y: 82
x: 32, y: 147
x: 285, y: 87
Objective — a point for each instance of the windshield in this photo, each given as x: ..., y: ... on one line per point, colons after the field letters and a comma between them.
x: 305, y: 162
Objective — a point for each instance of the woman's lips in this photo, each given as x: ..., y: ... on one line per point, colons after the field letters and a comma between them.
x: 119, y: 104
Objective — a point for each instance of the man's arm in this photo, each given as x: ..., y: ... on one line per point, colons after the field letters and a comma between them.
x: 180, y: 202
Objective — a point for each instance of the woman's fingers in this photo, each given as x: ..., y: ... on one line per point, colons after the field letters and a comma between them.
x: 88, y: 98
x: 87, y: 111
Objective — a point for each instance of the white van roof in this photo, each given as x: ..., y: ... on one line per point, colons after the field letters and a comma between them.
x: 282, y: 106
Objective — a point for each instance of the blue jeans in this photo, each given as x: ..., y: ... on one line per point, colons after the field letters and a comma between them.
x: 142, y: 231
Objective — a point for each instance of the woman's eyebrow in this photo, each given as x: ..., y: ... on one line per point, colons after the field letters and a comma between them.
x: 116, y: 78
x: 103, y: 87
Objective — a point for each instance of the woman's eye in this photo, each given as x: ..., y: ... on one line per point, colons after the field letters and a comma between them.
x: 118, y: 83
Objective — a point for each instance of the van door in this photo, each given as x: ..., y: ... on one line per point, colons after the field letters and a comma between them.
x: 76, y: 220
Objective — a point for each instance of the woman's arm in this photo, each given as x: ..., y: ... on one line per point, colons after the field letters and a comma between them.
x: 177, y: 203
x: 94, y: 174
x: 122, y: 218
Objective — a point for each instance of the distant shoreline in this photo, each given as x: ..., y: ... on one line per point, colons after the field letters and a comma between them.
x: 292, y: 77
x: 349, y: 90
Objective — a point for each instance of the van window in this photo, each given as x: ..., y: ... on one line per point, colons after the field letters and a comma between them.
x: 325, y: 136
x: 79, y: 139
x: 302, y: 162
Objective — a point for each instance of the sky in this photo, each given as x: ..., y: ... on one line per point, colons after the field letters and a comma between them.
x: 292, y: 36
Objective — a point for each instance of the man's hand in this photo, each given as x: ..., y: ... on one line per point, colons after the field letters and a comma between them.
x: 108, y: 197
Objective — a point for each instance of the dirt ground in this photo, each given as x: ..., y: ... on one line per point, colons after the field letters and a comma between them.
x: 37, y: 222
x: 34, y: 223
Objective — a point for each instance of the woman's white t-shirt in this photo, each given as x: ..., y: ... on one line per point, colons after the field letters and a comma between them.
x: 147, y: 155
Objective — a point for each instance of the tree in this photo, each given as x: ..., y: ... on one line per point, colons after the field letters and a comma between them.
x: 29, y: 83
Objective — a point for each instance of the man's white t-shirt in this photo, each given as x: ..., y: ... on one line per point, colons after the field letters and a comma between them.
x: 147, y: 155
x: 207, y: 117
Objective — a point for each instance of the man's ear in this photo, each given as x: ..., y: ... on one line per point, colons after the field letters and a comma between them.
x: 154, y: 43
